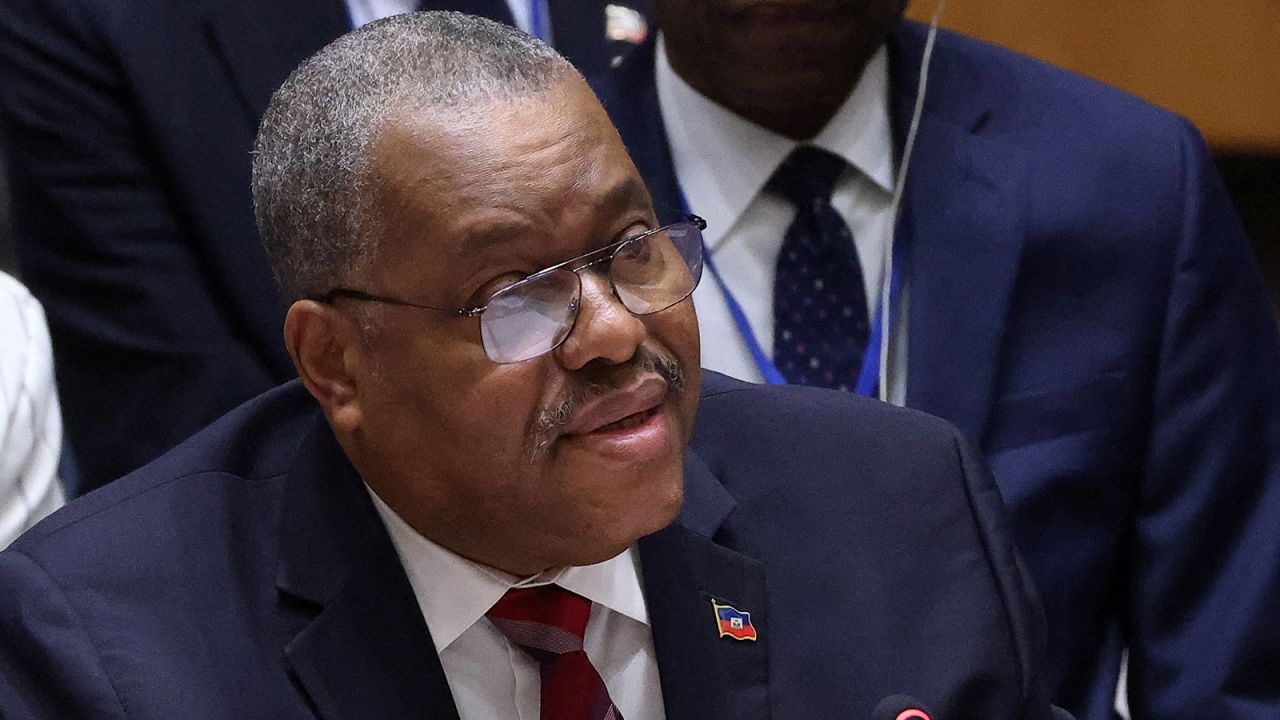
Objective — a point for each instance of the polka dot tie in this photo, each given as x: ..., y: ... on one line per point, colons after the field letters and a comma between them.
x: 819, y: 306
x: 549, y: 622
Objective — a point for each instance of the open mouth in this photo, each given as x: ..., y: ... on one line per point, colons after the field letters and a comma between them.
x: 638, y: 436
x: 629, y: 422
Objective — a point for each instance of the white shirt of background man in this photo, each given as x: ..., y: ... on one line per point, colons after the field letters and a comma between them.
x: 723, y: 161
x: 30, y: 421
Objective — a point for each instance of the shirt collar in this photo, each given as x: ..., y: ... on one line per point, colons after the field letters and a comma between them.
x: 722, y: 170
x: 454, y: 592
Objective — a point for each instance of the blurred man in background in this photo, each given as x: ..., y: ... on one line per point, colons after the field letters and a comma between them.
x: 1070, y: 285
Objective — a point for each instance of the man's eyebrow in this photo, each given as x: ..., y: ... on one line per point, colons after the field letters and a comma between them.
x: 626, y: 195
x: 491, y: 235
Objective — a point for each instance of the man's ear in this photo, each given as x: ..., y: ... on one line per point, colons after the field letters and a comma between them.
x: 327, y: 349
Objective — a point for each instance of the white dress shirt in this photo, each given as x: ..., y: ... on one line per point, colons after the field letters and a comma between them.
x: 723, y: 161
x: 30, y: 422
x: 366, y: 11
x: 491, y: 678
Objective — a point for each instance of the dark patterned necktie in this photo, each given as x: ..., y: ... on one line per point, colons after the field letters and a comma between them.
x: 819, y: 305
x: 548, y: 623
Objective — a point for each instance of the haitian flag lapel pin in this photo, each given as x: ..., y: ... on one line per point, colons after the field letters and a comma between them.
x: 732, y: 622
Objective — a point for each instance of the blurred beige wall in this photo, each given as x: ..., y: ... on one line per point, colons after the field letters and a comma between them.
x: 1218, y: 63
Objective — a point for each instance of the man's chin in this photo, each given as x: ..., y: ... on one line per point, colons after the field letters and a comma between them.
x: 598, y: 547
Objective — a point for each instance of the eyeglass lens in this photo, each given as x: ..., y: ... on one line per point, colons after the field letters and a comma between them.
x: 649, y: 274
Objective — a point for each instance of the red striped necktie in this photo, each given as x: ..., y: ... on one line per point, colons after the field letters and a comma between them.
x: 549, y: 622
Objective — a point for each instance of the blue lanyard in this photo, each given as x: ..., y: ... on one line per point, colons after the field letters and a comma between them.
x: 538, y: 20
x: 868, y: 377
x: 768, y: 370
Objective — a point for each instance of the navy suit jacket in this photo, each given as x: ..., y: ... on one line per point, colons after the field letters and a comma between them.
x: 129, y: 126
x: 1084, y: 305
x: 246, y: 574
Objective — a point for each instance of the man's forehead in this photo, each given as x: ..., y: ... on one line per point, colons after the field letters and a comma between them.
x: 562, y: 128
x: 565, y: 106
x: 482, y: 232
x: 502, y: 170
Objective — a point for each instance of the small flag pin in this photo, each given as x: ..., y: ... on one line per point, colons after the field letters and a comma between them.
x: 732, y: 622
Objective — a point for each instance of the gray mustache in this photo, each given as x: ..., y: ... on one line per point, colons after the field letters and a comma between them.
x: 560, y: 413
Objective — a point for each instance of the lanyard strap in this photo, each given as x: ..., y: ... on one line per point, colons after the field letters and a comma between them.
x: 538, y: 24
x: 768, y: 370
x: 869, y: 376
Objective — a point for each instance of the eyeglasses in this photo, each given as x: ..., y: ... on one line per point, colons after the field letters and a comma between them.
x: 648, y: 273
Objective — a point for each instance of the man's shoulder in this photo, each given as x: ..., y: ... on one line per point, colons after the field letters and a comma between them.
x: 247, y: 452
x: 879, y: 516
x: 823, y: 454
x: 742, y: 419
x: 1033, y: 100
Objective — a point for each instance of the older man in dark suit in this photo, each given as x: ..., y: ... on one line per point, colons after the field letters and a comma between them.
x: 487, y: 496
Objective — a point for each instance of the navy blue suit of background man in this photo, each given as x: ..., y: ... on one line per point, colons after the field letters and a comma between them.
x: 1084, y: 305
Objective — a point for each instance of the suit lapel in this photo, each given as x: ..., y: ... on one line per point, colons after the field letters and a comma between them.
x: 366, y: 653
x: 260, y: 43
x: 705, y: 676
x: 963, y: 221
x: 630, y: 94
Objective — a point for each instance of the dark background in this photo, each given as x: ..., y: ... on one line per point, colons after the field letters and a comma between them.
x: 1254, y: 183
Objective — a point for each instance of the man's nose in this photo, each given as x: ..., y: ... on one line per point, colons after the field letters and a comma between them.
x: 605, y: 330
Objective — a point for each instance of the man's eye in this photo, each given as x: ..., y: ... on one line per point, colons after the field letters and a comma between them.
x: 636, y: 249
x: 634, y: 231
x: 494, y: 286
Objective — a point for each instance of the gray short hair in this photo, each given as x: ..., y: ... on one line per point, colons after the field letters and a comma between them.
x: 310, y: 159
